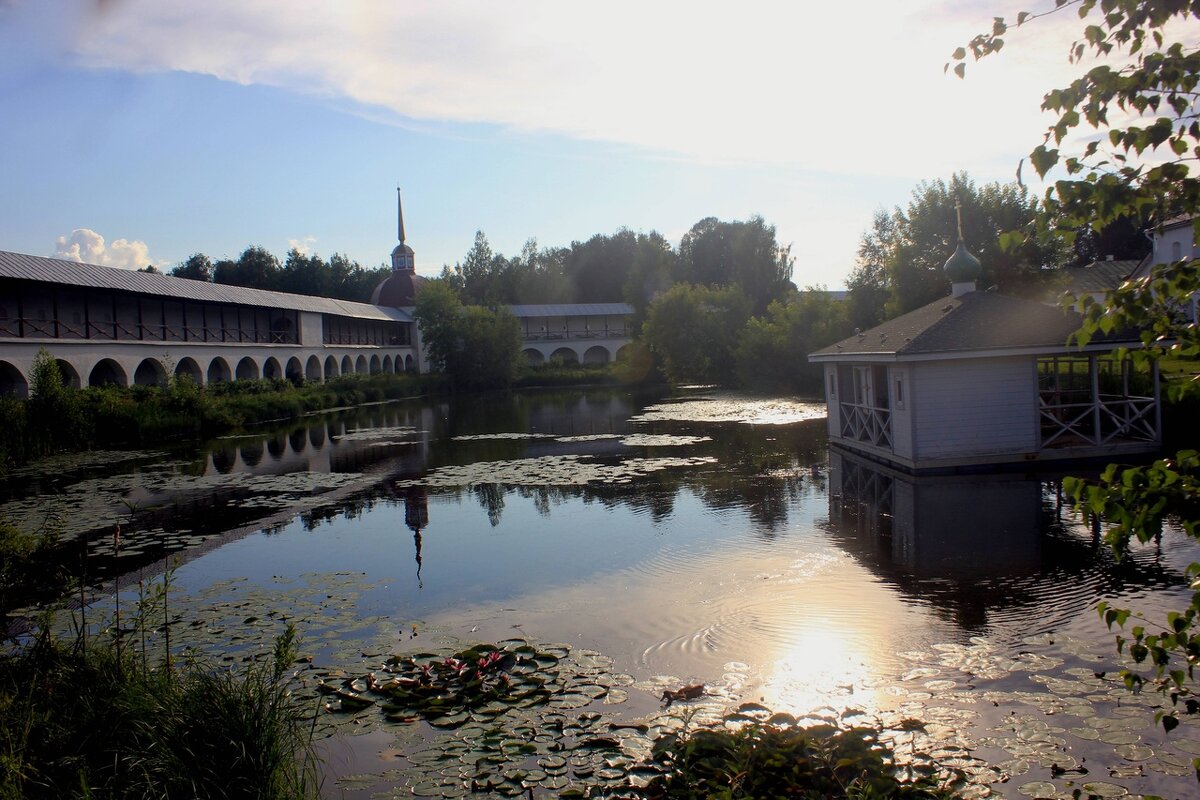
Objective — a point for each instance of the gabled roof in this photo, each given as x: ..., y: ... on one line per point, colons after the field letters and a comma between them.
x: 19, y: 266
x: 975, y: 323
x: 1099, y: 276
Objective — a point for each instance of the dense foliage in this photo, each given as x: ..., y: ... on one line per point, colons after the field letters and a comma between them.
x: 476, y: 347
x: 782, y: 759
x: 1132, y: 111
x: 300, y: 273
x: 900, y: 259
x: 772, y: 350
x: 693, y: 331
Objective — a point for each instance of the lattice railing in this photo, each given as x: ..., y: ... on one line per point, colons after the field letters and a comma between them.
x: 1107, y: 419
x: 867, y: 424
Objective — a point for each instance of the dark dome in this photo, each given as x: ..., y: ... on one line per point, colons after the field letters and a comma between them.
x: 397, y: 290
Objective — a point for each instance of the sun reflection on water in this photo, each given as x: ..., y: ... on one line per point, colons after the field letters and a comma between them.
x: 825, y: 667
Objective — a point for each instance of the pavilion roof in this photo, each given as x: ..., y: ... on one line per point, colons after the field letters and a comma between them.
x: 976, y: 323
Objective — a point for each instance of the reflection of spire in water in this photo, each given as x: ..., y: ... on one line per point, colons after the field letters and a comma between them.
x: 416, y: 517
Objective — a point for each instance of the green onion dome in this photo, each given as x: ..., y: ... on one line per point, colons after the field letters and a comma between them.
x: 962, y: 267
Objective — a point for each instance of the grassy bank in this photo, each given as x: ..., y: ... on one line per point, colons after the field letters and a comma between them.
x: 98, y: 720
x: 58, y: 418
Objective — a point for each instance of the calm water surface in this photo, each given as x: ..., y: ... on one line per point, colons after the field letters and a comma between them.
x: 703, y: 537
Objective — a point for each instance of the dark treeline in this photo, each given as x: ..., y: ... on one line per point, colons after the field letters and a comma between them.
x: 339, y: 277
x: 629, y: 267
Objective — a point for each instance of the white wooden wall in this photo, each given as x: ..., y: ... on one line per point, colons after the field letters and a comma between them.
x: 973, y: 407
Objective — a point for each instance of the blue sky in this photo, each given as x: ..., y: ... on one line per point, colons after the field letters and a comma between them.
x: 169, y: 128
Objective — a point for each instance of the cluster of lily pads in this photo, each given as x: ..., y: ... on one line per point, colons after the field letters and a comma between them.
x: 627, y: 439
x: 565, y: 470
x: 716, y: 408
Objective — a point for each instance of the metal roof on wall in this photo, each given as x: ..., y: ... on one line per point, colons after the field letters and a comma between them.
x: 19, y: 266
x: 571, y: 310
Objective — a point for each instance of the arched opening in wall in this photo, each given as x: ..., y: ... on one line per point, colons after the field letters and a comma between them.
x: 375, y: 365
x: 218, y: 371
x: 347, y: 366
x: 252, y: 453
x: 387, y: 365
x: 294, y: 371
x: 298, y: 440
x: 564, y: 355
x: 107, y: 373
x: 316, y: 436
x: 271, y: 369
x: 596, y: 355
x: 12, y: 382
x: 331, y: 368
x: 150, y: 373
x: 188, y: 369
x: 360, y: 365
x: 312, y: 369
x: 534, y: 357
x: 624, y: 352
x: 277, y: 446
x: 69, y: 376
x: 224, y: 459
x: 247, y: 370
x: 409, y: 364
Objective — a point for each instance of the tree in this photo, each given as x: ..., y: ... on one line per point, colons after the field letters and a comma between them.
x: 693, y: 330
x: 198, y: 267
x: 1139, y: 169
x: 477, y: 347
x: 902, y: 255
x: 255, y: 268
x: 743, y: 254
x: 772, y: 351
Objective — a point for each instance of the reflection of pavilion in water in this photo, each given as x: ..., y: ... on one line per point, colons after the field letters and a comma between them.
x: 982, y: 549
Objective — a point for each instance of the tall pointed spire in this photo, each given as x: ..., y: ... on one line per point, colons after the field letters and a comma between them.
x: 402, y: 255
x: 400, y: 216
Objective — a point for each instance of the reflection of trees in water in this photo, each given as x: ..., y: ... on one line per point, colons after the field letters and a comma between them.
x: 491, y: 498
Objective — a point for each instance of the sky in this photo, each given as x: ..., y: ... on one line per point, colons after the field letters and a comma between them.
x: 138, y: 132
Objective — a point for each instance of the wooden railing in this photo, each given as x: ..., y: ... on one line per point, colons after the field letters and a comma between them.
x: 1106, y: 419
x: 867, y: 424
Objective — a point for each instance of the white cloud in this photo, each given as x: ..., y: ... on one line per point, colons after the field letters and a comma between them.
x: 304, y: 245
x: 88, y: 247
x: 827, y: 87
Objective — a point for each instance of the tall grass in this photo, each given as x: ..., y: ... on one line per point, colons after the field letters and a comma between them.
x: 82, y: 721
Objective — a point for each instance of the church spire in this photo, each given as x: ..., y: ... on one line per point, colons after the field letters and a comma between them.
x: 402, y: 254
x: 400, y: 214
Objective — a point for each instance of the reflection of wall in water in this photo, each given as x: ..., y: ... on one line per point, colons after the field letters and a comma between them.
x: 319, y: 447
x: 940, y: 527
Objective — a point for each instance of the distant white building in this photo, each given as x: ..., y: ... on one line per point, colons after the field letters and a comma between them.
x: 979, y: 379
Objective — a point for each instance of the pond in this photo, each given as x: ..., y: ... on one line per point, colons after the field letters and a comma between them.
x: 639, y: 543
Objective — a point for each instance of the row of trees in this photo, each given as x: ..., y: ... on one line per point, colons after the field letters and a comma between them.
x: 300, y: 273
x: 628, y: 267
